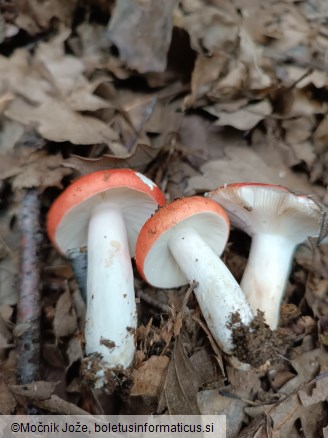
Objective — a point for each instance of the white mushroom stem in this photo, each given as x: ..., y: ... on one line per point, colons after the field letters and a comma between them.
x: 266, y: 274
x: 217, y: 292
x: 111, y: 308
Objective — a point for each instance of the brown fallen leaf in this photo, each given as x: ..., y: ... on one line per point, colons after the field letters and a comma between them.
x: 260, y: 427
x: 139, y: 158
x: 142, y: 33
x: 148, y: 379
x: 320, y: 136
x: 39, y: 390
x: 285, y: 414
x: 10, y: 133
x: 38, y: 169
x: 4, y: 101
x: 19, y: 77
x: 8, y: 280
x: 242, y: 164
x: 65, y: 322
x: 211, y: 402
x: 56, y: 121
x: 181, y: 384
x: 289, y: 408
x: 40, y: 393
x: 319, y: 393
x: 203, y: 362
x: 5, y: 332
x: 245, y: 118
x: 35, y: 17
x: 7, y: 401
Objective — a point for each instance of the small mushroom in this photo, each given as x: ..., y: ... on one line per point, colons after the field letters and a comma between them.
x: 278, y: 220
x: 182, y: 243
x: 105, y: 211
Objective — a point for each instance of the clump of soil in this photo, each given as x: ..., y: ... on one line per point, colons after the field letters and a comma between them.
x: 95, y: 374
x: 256, y: 343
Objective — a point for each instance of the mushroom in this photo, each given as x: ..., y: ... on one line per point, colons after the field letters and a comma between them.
x: 182, y: 243
x: 278, y: 220
x: 105, y: 211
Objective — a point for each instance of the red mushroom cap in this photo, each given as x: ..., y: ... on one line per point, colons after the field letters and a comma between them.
x: 153, y: 258
x: 135, y: 194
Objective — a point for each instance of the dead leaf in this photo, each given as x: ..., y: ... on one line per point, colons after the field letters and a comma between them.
x: 260, y: 427
x: 35, y: 16
x: 10, y: 133
x: 55, y: 121
x: 181, y: 385
x: 74, y: 351
x: 148, y: 379
x: 205, y: 366
x: 53, y: 356
x: 41, y: 394
x: 8, y: 282
x: 18, y: 76
x: 142, y: 32
x: 319, y: 393
x: 7, y: 401
x: 65, y: 322
x: 289, y: 409
x: 37, y: 169
x: 212, y: 29
x: 5, y: 333
x: 138, y: 159
x: 39, y: 390
x: 245, y: 118
x: 242, y: 164
x: 4, y: 100
x: 211, y: 402
x: 298, y: 130
x: 320, y: 136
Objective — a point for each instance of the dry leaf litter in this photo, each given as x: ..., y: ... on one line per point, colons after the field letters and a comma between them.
x: 195, y: 94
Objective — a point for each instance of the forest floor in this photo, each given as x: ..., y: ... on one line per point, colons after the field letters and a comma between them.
x: 194, y: 94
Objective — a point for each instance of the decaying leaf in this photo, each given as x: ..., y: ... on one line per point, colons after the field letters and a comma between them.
x: 137, y: 159
x: 7, y: 401
x: 245, y: 118
x: 148, y: 379
x: 242, y: 164
x: 37, y: 169
x: 181, y: 385
x: 35, y: 17
x: 211, y: 402
x: 285, y: 413
x: 55, y: 121
x: 65, y: 322
x: 40, y: 390
x: 142, y: 32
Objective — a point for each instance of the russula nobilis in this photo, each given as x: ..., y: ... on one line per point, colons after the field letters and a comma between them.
x: 105, y: 211
x: 278, y: 220
x: 182, y: 243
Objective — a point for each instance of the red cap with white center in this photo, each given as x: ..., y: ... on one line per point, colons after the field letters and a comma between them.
x: 182, y: 243
x: 105, y: 211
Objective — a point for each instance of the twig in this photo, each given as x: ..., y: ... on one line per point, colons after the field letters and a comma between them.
x: 27, y: 331
x: 164, y: 308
